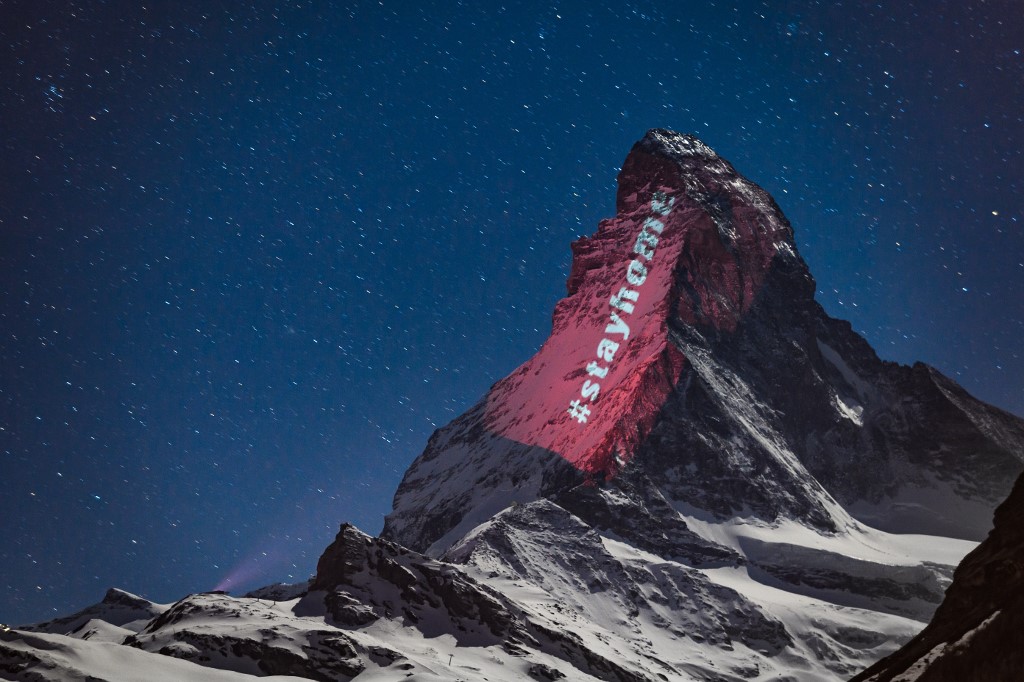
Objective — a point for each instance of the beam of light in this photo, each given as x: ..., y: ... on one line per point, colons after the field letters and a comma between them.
x: 259, y: 566
x: 277, y: 558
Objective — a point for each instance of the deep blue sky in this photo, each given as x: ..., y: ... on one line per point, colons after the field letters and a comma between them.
x: 252, y: 254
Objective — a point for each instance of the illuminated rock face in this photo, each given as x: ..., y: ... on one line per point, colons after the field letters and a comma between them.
x: 690, y: 361
x: 691, y: 240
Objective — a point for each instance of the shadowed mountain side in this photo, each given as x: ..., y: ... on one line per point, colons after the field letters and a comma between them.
x: 977, y: 632
x: 461, y: 457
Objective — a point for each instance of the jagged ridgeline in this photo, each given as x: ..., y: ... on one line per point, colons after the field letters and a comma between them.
x: 699, y: 476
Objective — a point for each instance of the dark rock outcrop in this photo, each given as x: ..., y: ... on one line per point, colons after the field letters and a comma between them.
x: 977, y: 633
x: 367, y: 578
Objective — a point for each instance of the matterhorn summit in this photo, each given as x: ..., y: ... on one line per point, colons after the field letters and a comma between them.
x: 690, y: 359
x: 700, y: 475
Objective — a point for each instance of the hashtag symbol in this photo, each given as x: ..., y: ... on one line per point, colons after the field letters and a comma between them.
x: 578, y: 411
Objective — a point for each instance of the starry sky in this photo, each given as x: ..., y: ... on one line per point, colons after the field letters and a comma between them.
x: 253, y: 253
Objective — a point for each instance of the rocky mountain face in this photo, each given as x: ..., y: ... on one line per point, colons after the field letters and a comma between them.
x: 695, y: 403
x: 699, y: 476
x: 717, y: 379
x: 978, y: 629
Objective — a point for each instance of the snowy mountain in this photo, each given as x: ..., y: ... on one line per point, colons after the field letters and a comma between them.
x: 722, y: 383
x: 699, y: 476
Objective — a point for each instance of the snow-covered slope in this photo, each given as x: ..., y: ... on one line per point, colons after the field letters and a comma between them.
x: 534, y: 593
x: 375, y: 611
x: 41, y: 657
x: 790, y: 602
x: 699, y: 476
x: 118, y: 615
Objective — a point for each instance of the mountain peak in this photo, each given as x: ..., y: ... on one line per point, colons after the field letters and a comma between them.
x: 676, y: 145
x: 693, y: 241
x: 344, y: 557
x: 690, y: 356
x: 118, y: 597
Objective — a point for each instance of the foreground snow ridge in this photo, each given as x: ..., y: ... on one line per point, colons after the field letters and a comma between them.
x: 532, y: 594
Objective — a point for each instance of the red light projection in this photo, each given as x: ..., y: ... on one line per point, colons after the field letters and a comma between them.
x: 593, y: 391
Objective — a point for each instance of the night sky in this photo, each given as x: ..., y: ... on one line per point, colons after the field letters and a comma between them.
x: 252, y: 254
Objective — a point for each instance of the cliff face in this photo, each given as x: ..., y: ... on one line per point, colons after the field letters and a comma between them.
x: 978, y: 630
x: 690, y: 357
